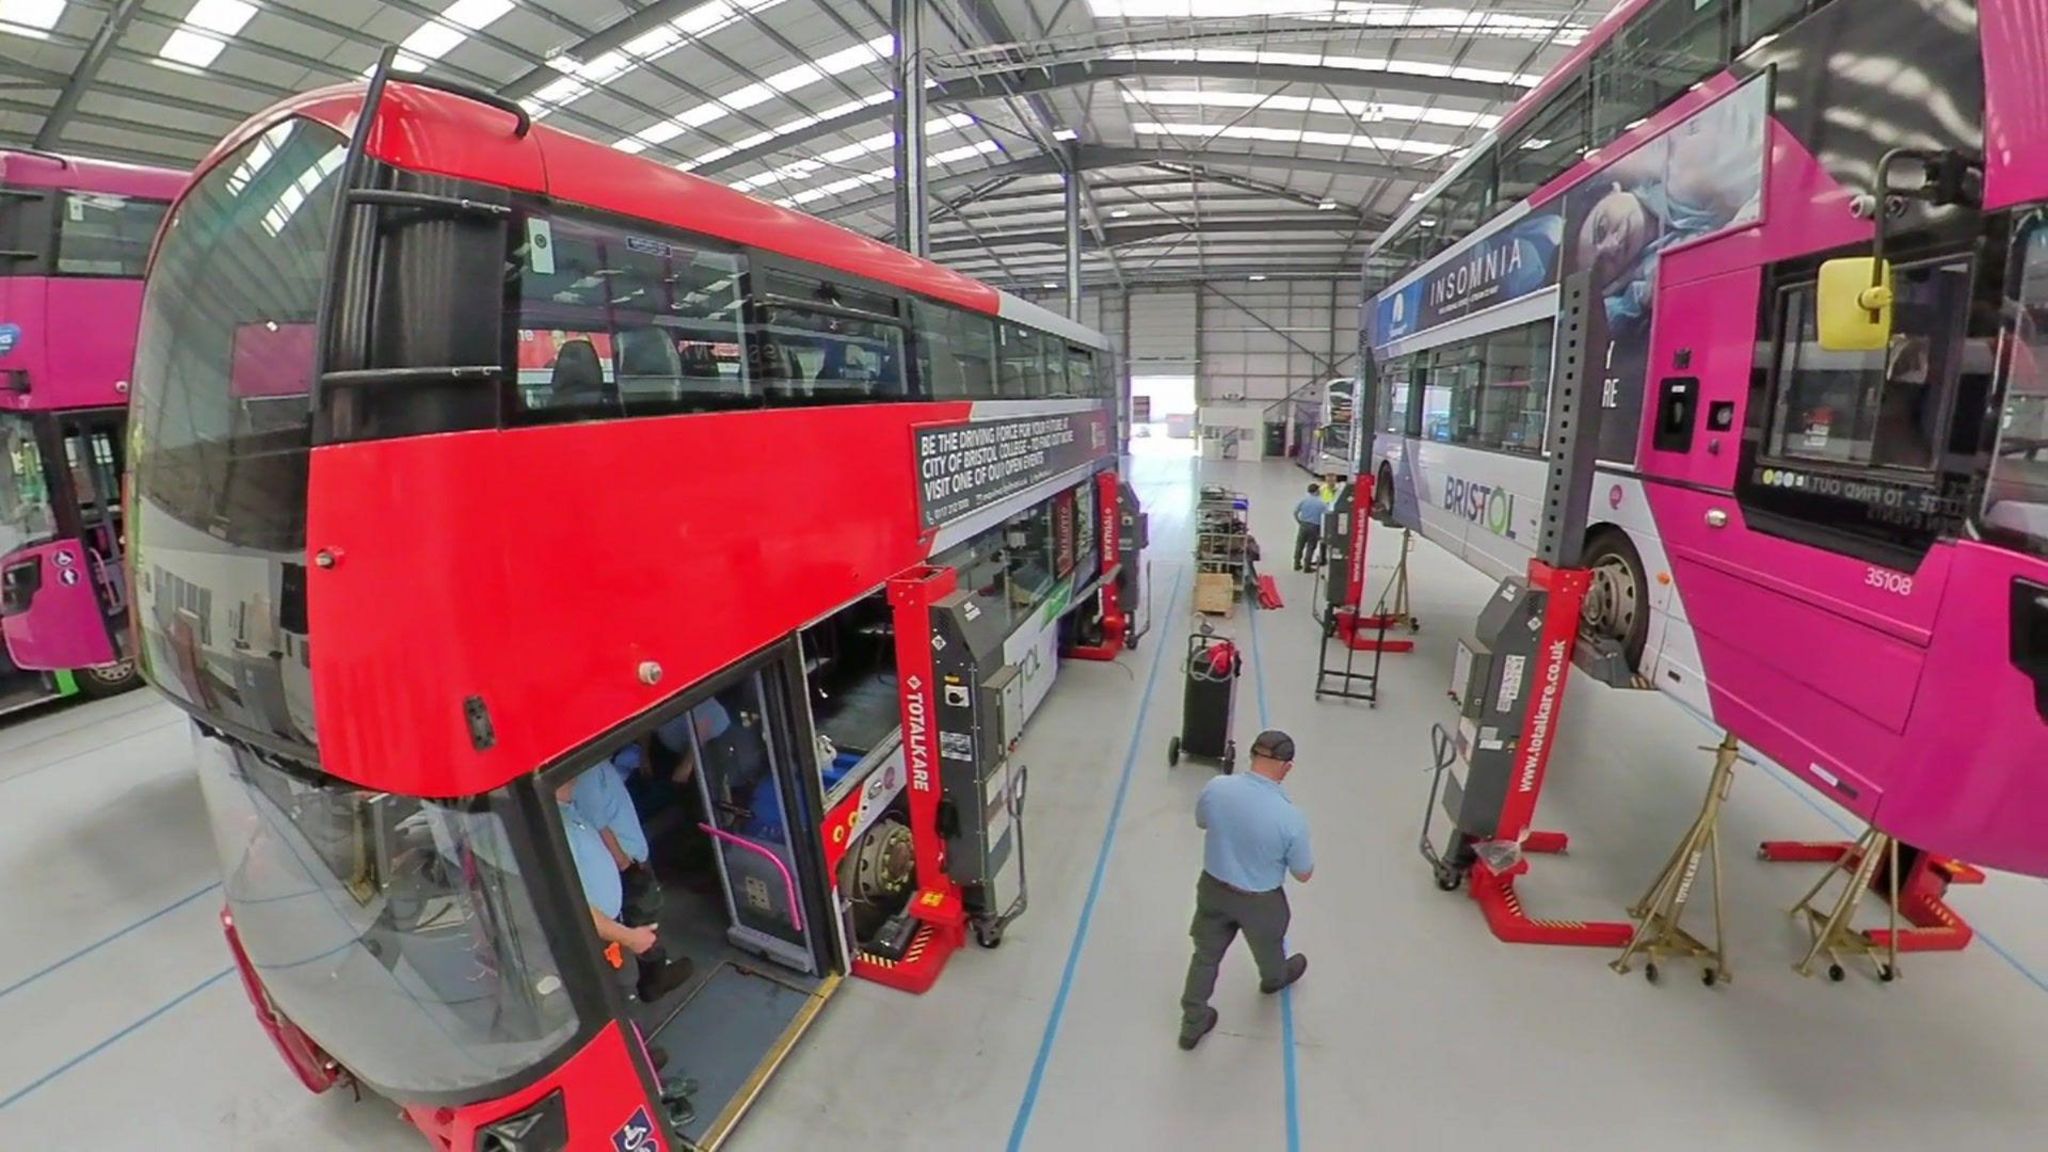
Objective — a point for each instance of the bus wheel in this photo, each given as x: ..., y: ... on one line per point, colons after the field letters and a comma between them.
x: 109, y: 680
x: 1618, y: 604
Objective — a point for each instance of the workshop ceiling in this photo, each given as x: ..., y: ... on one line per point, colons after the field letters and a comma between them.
x: 1215, y: 139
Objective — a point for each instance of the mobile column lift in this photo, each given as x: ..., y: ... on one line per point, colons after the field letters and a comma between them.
x: 1509, y: 682
x: 1343, y: 580
x: 962, y: 707
x: 1125, y: 600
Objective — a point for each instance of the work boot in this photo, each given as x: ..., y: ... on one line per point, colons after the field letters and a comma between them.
x: 1297, y: 966
x: 1191, y: 1034
x: 658, y: 980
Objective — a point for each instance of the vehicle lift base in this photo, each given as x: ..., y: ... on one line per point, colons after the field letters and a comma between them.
x: 1658, y: 932
x: 941, y: 931
x: 1919, y: 899
x: 1510, y: 923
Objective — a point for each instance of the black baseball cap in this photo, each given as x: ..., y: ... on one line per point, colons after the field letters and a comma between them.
x: 1274, y: 744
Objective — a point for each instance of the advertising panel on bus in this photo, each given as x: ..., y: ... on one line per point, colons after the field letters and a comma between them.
x: 1702, y: 178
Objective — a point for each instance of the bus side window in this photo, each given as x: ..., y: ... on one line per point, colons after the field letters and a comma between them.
x: 623, y: 307
x: 1881, y: 408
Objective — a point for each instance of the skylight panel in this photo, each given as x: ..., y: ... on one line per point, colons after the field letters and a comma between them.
x: 786, y: 82
x: 581, y: 78
x: 846, y: 154
x: 203, y: 36
x: 1352, y: 63
x: 1364, y: 111
x: 475, y: 15
x: 190, y: 49
x: 223, y: 18
x: 1354, y: 12
x: 885, y: 175
x: 760, y: 138
x: 32, y: 17
x: 1293, y: 136
x: 432, y: 41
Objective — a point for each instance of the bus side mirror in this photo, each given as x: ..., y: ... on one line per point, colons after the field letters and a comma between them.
x: 1855, y: 304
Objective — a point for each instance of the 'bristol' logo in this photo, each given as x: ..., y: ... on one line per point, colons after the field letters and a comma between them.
x: 1491, y: 508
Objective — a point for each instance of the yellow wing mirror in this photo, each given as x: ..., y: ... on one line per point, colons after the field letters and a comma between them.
x: 1855, y: 305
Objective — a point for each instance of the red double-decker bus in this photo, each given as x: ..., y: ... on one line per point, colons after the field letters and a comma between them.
x: 484, y: 461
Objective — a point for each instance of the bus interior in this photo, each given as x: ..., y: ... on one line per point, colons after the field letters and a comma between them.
x: 729, y: 826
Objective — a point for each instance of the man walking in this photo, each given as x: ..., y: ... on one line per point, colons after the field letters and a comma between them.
x: 1255, y: 837
x: 1308, y: 528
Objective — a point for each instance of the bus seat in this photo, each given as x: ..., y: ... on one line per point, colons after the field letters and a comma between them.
x: 650, y: 368
x: 578, y: 378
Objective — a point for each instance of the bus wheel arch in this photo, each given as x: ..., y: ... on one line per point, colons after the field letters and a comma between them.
x: 1618, y: 603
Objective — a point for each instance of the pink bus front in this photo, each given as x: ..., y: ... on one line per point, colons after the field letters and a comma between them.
x: 74, y: 236
x: 1839, y: 556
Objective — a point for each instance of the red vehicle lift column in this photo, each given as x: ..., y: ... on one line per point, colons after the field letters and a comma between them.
x: 1345, y: 530
x: 1109, y: 520
x: 936, y: 902
x: 1511, y: 676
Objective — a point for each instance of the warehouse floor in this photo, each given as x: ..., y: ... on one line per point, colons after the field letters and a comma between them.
x: 123, y: 1026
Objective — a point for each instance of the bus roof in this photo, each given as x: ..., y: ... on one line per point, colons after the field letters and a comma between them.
x: 76, y: 174
x: 427, y: 130
x: 1573, y: 63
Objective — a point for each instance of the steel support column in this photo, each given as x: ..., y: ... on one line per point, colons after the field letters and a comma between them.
x: 1074, y: 178
x: 913, y: 223
x: 1123, y: 378
x: 88, y: 69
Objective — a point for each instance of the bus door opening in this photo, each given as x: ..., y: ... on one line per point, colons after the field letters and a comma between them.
x: 53, y: 599
x: 710, y: 817
x: 92, y: 452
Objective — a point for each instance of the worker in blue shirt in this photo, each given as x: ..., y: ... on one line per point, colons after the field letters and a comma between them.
x: 1254, y: 838
x: 1308, y: 528
x: 607, y: 843
x: 592, y: 848
x: 735, y: 759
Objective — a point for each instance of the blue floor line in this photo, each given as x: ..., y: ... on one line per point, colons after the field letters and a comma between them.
x: 20, y: 1093
x: 1116, y: 810
x: 1800, y: 790
x: 103, y: 941
x: 1287, y: 1059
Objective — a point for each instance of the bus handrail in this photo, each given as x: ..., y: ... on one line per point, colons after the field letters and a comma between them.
x: 796, y: 909
x: 484, y: 96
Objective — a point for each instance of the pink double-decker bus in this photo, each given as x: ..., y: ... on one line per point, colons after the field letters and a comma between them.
x: 1821, y: 520
x: 74, y: 236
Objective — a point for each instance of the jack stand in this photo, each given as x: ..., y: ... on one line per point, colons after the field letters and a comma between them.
x: 1923, y: 890
x: 1659, y: 911
x: 1833, y: 932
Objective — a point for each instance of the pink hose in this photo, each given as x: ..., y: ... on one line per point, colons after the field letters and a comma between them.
x: 796, y: 914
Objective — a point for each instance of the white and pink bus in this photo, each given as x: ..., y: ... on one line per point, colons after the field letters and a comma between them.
x: 1840, y: 556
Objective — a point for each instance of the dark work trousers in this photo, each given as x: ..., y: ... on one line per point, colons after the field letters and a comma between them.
x: 1221, y: 912
x: 1308, y: 540
x: 641, y: 908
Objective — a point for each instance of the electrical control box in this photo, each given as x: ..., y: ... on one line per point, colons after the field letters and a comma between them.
x: 1493, y: 684
x: 979, y: 710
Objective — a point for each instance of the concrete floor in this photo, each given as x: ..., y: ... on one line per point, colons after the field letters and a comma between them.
x: 120, y: 1025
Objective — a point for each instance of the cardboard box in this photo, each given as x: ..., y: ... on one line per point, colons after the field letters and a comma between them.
x: 1215, y: 593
